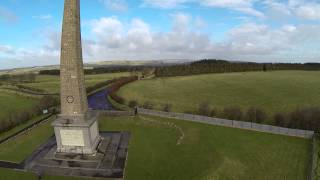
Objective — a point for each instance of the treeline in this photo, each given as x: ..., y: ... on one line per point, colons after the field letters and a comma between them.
x: 99, y: 70
x: 20, y: 78
x: 221, y: 66
x: 112, y: 90
x: 306, y: 118
x: 15, y: 119
x: 93, y: 88
x: 28, y: 88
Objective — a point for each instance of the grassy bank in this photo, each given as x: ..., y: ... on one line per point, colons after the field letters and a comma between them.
x: 278, y: 91
x: 13, y: 104
x: 204, y: 152
x: 51, y: 84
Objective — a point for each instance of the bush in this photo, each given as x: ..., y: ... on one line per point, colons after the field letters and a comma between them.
x: 280, y: 119
x: 256, y: 115
x: 133, y: 104
x: 99, y: 85
x: 305, y: 118
x: 233, y: 113
x: 117, y: 98
x: 167, y: 107
x: 116, y: 85
x: 204, y: 109
x: 22, y: 87
x: 48, y: 101
x: 213, y: 113
x: 147, y: 105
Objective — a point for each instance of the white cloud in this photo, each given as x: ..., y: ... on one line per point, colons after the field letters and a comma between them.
x: 309, y: 11
x: 136, y: 40
x: 115, y: 5
x: 6, y: 49
x: 249, y: 41
x: 165, y: 4
x: 108, y: 30
x: 304, y: 9
x: 245, y: 6
x: 43, y: 17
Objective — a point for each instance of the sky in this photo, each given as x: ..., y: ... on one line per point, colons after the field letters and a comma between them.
x: 241, y: 30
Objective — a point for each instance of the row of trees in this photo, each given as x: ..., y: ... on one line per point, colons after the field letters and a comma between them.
x: 100, y: 70
x: 14, y: 119
x: 221, y: 66
x: 99, y: 85
x: 19, y: 78
x: 307, y: 118
x: 23, y: 87
x: 112, y: 90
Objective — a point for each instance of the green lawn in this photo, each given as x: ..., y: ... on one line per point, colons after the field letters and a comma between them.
x: 278, y: 91
x: 11, y: 103
x: 205, y: 152
x: 51, y: 84
x: 21, y: 126
x: 18, y: 149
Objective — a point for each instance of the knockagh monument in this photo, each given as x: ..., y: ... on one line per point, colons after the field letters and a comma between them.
x: 76, y: 129
x: 78, y: 149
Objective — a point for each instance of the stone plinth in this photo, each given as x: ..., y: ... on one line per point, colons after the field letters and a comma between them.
x: 77, y: 134
x: 108, y: 162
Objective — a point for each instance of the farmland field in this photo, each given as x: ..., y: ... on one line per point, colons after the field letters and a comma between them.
x: 277, y: 91
x: 204, y: 152
x: 51, y: 83
x: 12, y: 104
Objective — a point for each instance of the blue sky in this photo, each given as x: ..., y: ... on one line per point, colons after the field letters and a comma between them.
x: 247, y: 30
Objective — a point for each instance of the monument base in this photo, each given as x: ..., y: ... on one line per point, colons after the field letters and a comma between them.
x: 108, y: 162
x: 77, y: 134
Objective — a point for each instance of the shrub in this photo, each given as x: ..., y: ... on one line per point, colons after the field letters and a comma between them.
x: 99, y: 85
x: 213, y: 113
x: 167, y: 107
x: 233, y: 113
x: 280, y: 119
x: 255, y: 115
x: 147, y: 105
x: 22, y: 87
x: 305, y: 118
x: 204, y: 109
x: 117, y: 98
x: 48, y: 101
x: 133, y: 104
x: 117, y: 84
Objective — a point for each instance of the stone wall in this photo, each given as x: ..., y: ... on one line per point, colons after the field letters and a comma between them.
x: 231, y: 123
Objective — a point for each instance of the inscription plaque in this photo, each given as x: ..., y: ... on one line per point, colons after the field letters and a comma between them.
x: 72, y: 138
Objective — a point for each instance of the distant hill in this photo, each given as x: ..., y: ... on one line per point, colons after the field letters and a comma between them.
x: 37, y: 69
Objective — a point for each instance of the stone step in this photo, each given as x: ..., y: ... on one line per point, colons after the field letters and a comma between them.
x: 111, y: 152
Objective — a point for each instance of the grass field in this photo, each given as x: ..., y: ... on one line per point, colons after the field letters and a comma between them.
x: 205, y: 152
x: 51, y: 83
x: 11, y: 103
x: 273, y: 91
x: 18, y: 149
x: 21, y: 126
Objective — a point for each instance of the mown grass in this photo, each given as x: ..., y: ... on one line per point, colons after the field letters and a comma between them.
x: 205, y: 152
x: 277, y: 91
x: 22, y: 146
x: 6, y: 174
x: 51, y: 84
x: 209, y: 152
x: 21, y: 126
x: 11, y: 104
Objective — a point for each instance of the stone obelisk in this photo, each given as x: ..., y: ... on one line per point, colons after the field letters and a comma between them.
x: 76, y: 128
